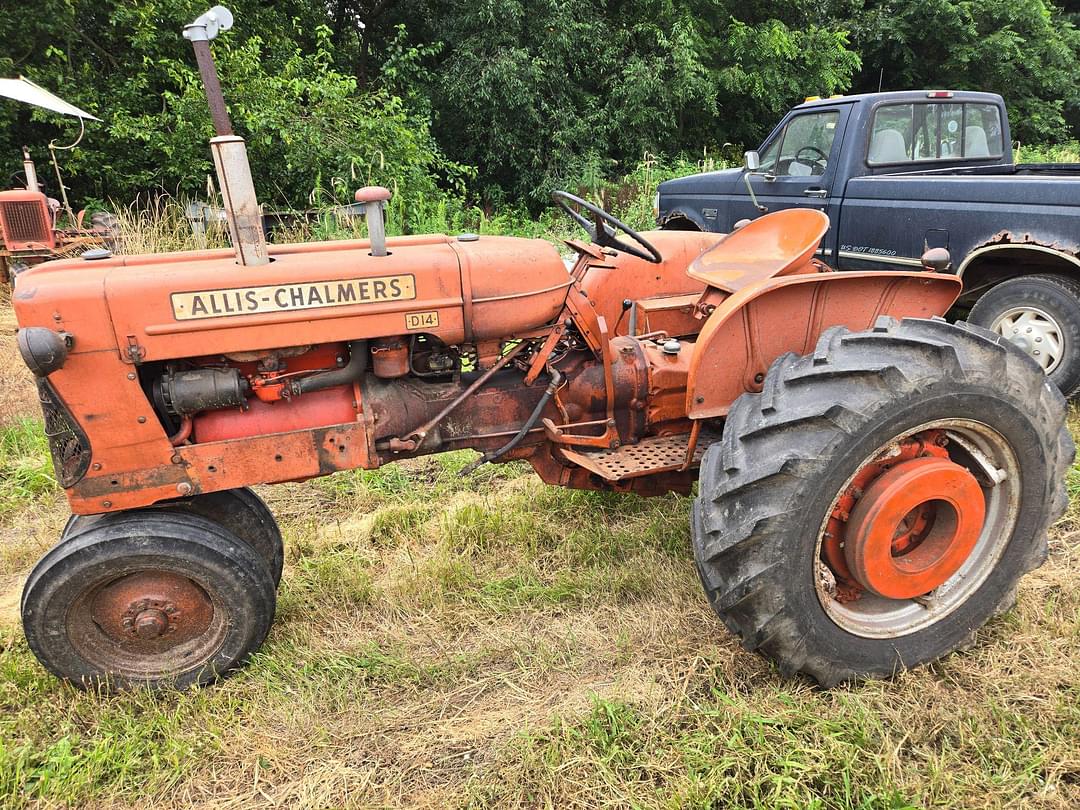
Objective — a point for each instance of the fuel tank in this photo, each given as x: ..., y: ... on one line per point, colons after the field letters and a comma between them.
x: 175, y: 305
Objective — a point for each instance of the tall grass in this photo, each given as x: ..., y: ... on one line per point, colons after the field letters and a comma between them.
x: 160, y: 224
x: 1068, y: 152
x: 26, y: 472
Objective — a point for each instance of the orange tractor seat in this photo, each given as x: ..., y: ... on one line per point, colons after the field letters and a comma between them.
x: 765, y: 248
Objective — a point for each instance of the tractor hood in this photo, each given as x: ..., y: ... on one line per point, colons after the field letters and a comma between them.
x: 168, y: 306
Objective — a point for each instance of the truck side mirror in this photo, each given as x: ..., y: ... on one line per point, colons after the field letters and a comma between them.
x: 753, y: 163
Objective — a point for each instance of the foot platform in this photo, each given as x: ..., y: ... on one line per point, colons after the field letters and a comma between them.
x: 652, y: 455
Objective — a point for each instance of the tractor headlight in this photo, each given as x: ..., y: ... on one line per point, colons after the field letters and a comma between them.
x: 43, y: 350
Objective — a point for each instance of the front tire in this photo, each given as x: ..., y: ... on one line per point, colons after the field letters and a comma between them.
x: 867, y: 413
x: 1041, y: 315
x: 147, y: 599
x: 239, y: 511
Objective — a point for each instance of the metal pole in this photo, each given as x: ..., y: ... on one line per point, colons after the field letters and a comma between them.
x: 230, y: 153
x: 208, y: 71
x: 30, y: 171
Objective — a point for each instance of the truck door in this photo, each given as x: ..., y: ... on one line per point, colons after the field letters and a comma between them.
x: 799, y: 164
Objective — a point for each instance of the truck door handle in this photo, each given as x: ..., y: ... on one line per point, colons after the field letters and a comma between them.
x: 820, y: 193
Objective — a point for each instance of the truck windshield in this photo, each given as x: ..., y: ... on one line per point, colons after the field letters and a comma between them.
x: 803, y: 147
x: 934, y: 131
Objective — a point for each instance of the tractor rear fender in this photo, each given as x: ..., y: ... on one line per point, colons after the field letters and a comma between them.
x: 763, y: 320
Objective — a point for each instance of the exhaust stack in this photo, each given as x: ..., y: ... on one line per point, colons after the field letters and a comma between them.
x: 30, y: 171
x: 230, y: 153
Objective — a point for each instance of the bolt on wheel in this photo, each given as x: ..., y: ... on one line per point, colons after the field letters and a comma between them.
x: 147, y: 599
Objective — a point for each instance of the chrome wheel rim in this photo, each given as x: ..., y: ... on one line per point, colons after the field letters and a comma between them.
x: 988, y: 454
x: 1035, y: 332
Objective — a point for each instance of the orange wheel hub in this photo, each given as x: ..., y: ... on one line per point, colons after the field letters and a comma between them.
x: 913, y: 527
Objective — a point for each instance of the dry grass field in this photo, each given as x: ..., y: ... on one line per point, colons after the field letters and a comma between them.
x: 494, y: 643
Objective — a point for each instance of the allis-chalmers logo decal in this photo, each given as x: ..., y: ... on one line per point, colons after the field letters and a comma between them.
x: 285, y: 297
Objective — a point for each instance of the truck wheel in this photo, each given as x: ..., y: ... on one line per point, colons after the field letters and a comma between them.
x: 878, y: 502
x: 147, y: 598
x: 239, y: 511
x: 1041, y: 315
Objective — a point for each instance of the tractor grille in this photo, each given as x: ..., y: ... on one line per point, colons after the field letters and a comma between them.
x: 68, y: 444
x: 25, y: 221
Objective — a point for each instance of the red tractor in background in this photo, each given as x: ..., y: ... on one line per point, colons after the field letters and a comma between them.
x: 30, y: 229
x: 872, y: 482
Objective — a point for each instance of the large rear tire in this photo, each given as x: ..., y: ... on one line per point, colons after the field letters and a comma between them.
x: 789, y: 538
x: 147, y: 598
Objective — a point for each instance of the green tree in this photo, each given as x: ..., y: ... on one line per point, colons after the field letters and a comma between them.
x: 1026, y: 50
x: 309, y: 126
x: 537, y: 93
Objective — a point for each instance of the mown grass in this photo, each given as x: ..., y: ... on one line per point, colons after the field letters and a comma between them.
x: 491, y: 642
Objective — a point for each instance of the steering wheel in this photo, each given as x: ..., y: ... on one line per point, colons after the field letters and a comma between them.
x: 604, y: 226
x: 821, y: 156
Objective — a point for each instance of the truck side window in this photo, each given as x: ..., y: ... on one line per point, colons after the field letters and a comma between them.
x: 804, y: 146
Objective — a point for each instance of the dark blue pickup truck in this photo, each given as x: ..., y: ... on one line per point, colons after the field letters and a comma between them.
x: 899, y: 173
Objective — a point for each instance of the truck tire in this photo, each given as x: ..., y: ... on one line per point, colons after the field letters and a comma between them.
x: 919, y: 414
x: 1041, y: 315
x: 147, y: 599
x: 239, y: 511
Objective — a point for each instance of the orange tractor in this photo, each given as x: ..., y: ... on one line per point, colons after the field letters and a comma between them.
x: 872, y: 481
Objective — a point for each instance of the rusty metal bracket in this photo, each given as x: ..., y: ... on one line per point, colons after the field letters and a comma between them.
x: 541, y: 358
x: 558, y: 434
x: 691, y: 445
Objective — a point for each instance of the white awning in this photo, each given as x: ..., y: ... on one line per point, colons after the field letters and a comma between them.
x: 22, y: 89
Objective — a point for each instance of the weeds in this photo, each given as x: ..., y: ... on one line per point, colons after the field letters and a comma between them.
x: 26, y: 472
x: 1061, y: 153
x: 159, y: 224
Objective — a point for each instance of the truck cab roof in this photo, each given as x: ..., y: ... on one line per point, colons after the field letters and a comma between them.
x: 957, y: 96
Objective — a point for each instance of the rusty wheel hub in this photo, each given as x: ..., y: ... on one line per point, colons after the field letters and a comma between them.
x: 151, y: 609
x: 914, y: 527
x: 906, y: 524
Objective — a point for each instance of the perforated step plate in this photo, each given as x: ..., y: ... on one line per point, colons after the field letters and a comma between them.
x: 652, y: 455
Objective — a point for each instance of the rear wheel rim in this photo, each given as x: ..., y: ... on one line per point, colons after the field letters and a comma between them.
x: 1036, y: 332
x: 973, y: 450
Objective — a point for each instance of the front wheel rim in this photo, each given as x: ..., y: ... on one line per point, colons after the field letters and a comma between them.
x: 858, y: 609
x: 1036, y: 332
x: 146, y: 625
